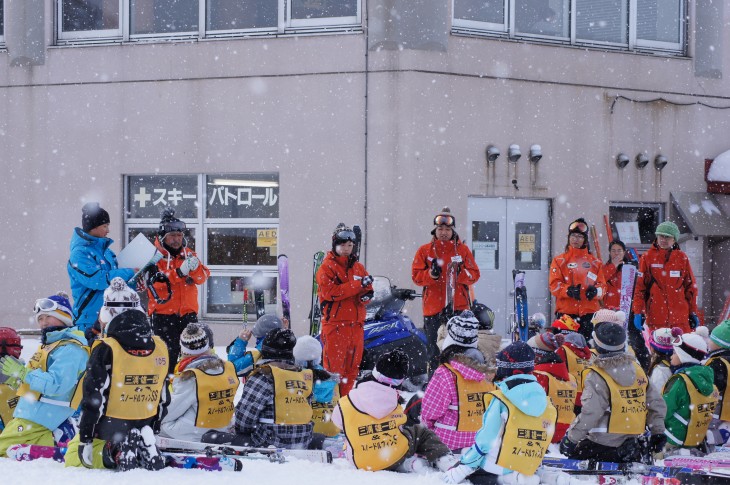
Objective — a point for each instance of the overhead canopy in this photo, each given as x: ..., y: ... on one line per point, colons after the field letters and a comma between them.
x: 702, y: 213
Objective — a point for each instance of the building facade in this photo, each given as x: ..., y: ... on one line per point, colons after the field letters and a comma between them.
x: 266, y: 123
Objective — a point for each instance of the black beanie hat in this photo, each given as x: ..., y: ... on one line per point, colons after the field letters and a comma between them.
x: 279, y: 344
x: 392, y: 367
x: 92, y: 215
x: 609, y: 338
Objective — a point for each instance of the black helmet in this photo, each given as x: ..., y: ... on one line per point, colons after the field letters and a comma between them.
x: 279, y: 344
x: 169, y: 223
x: 484, y: 314
x: 342, y: 234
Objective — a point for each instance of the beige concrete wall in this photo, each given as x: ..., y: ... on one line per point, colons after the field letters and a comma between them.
x: 69, y: 129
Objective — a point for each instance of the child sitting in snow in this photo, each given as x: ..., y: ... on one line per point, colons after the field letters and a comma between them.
x: 719, y: 361
x: 452, y: 405
x: 373, y: 422
x: 47, y: 384
x: 660, y: 343
x: 244, y: 359
x: 202, y: 391
x: 308, y: 355
x: 10, y: 344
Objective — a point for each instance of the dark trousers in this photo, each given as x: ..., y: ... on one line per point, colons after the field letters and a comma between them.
x: 431, y: 327
x: 422, y: 442
x: 586, y: 326
x: 629, y: 451
x: 169, y: 328
x: 636, y: 340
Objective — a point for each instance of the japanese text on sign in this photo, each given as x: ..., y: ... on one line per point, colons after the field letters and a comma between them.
x: 266, y: 238
x: 242, y: 196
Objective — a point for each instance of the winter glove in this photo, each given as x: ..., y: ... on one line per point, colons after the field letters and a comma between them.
x: 574, y: 292
x: 190, y: 264
x: 366, y: 281
x: 457, y: 473
x: 639, y: 322
x: 13, y: 368
x: 694, y: 321
x: 86, y: 454
x: 591, y: 292
x: 567, y: 447
x: 435, y: 270
x: 367, y: 296
x: 657, y: 442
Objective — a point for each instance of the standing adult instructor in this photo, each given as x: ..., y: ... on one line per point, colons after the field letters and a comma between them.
x: 429, y: 270
x: 185, y: 271
x: 92, y: 265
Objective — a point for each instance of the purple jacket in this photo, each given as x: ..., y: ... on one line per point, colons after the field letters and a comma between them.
x: 441, y: 393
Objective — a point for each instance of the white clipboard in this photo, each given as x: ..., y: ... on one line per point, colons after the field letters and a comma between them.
x: 137, y: 253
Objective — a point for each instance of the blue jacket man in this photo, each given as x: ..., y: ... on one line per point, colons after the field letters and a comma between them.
x: 92, y: 265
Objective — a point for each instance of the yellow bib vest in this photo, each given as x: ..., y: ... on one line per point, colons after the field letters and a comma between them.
x: 471, y: 402
x: 291, y: 395
x: 376, y: 444
x: 700, y: 411
x: 322, y: 415
x: 215, y: 397
x: 136, y: 381
x: 627, y: 403
x: 525, y: 438
x: 8, y: 401
x: 724, y: 398
x: 576, y: 366
x: 562, y: 394
x: 40, y: 361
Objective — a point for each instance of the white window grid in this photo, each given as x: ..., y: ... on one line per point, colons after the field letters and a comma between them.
x: 5, y: 26
x: 507, y: 29
x: 200, y: 225
x: 285, y: 26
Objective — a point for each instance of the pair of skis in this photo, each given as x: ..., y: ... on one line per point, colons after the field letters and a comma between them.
x: 315, y: 313
x: 520, y: 322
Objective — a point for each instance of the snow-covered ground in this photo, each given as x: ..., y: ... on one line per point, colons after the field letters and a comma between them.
x: 262, y: 472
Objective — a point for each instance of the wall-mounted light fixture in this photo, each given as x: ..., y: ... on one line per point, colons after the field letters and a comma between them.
x: 514, y: 153
x: 641, y: 161
x: 535, y: 153
x: 493, y: 153
x: 622, y: 160
x: 660, y: 162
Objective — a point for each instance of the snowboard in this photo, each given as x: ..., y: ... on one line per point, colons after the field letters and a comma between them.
x: 273, y: 454
x: 283, y: 264
x: 521, y: 330
x: 258, y: 294
x: 628, y: 282
x: 315, y: 313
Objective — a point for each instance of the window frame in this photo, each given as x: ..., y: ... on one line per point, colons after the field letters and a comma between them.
x: 660, y: 207
x: 2, y: 34
x: 285, y: 26
x: 200, y: 224
x: 633, y: 44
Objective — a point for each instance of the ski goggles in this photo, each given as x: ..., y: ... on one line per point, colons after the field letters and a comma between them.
x: 46, y: 305
x: 121, y: 304
x: 578, y: 226
x: 174, y: 226
x: 442, y: 220
x: 345, y: 235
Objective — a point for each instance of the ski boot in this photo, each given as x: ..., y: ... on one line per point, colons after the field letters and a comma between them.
x: 148, y: 455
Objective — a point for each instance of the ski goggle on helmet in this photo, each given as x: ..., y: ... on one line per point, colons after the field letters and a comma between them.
x: 45, y: 305
x: 578, y: 226
x: 172, y: 226
x: 444, y: 220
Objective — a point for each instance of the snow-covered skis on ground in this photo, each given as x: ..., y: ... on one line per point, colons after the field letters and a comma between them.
x: 274, y: 454
x: 201, y: 462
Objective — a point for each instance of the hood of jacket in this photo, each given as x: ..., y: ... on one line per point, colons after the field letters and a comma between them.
x: 619, y: 366
x: 582, y: 352
x: 68, y: 333
x: 79, y: 238
x: 132, y: 330
x: 719, y: 353
x: 374, y: 398
x: 340, y: 260
x: 577, y: 253
x: 470, y: 369
x: 559, y: 370
x: 524, y: 392
x: 702, y: 377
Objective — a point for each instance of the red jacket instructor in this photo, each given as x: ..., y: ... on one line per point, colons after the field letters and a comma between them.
x: 185, y: 272
x: 429, y: 270
x: 344, y: 287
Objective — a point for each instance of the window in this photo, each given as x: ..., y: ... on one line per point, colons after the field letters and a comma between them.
x: 232, y: 221
x: 2, y: 21
x: 123, y: 20
x: 656, y: 25
x: 634, y: 222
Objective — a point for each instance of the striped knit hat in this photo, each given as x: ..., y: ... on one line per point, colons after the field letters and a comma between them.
x: 516, y: 358
x: 690, y: 348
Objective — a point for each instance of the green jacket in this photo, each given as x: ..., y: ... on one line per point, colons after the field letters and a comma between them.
x: 678, y: 401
